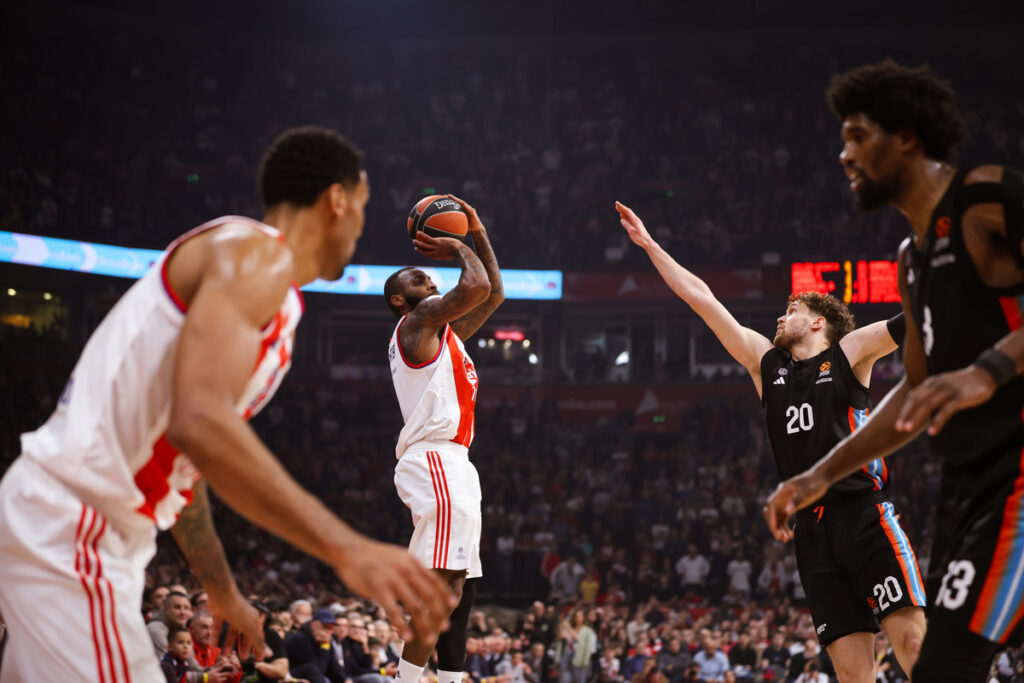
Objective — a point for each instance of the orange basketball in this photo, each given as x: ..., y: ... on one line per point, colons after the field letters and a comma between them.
x: 438, y: 216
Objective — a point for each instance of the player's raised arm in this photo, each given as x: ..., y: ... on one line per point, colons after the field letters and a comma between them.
x: 473, y: 288
x: 241, y: 287
x: 865, y: 345
x: 468, y: 324
x: 876, y: 438
x: 742, y: 343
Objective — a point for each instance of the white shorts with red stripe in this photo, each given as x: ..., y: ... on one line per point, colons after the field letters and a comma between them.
x: 441, y: 487
x: 70, y: 587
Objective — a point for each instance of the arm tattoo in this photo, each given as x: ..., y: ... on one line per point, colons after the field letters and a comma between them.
x: 421, y: 330
x: 468, y: 324
x: 199, y: 544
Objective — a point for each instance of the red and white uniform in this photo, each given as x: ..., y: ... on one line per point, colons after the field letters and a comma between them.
x: 79, y: 510
x: 434, y: 476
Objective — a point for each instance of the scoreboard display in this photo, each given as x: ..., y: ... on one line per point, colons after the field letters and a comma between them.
x: 855, y: 282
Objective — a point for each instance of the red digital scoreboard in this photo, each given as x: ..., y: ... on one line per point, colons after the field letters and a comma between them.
x: 856, y: 282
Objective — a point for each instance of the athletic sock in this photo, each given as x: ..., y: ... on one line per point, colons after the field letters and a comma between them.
x: 449, y: 676
x: 408, y: 672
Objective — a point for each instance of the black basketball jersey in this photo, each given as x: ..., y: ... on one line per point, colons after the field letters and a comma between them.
x: 811, y: 405
x: 958, y: 316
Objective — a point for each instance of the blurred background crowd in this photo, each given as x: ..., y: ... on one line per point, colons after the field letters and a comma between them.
x: 612, y: 550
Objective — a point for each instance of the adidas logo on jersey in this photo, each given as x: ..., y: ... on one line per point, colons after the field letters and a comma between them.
x: 781, y: 380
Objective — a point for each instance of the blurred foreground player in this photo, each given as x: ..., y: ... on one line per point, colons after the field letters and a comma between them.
x: 436, y: 385
x: 961, y: 273
x: 856, y: 564
x: 188, y: 354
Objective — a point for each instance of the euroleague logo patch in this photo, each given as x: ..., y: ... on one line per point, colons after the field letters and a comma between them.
x: 823, y: 371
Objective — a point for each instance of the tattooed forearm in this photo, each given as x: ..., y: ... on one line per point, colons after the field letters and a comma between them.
x: 468, y: 324
x: 198, y: 541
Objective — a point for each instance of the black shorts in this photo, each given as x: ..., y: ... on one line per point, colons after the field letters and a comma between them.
x: 856, y: 565
x: 976, y: 576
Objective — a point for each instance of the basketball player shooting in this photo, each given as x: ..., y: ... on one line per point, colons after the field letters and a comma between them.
x: 436, y: 385
x: 961, y: 276
x: 190, y: 352
x: 856, y: 564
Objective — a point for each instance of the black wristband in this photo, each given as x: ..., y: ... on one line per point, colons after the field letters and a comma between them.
x: 897, y: 326
x: 998, y: 364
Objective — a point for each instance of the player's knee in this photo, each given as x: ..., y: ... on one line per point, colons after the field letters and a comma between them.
x: 852, y: 674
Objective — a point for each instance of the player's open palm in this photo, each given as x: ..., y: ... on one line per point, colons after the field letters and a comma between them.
x: 634, y: 226
x: 439, y: 248
x: 475, y: 225
x: 394, y: 579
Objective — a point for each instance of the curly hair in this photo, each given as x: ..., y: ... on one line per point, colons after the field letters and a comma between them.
x: 900, y: 98
x: 303, y: 162
x: 837, y: 315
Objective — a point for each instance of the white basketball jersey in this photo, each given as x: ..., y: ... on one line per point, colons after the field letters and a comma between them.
x: 107, y: 438
x: 438, y: 397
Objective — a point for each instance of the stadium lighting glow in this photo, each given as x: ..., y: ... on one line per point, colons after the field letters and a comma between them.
x: 47, y: 296
x: 128, y: 262
x: 622, y: 358
x: 11, y: 291
x: 533, y: 359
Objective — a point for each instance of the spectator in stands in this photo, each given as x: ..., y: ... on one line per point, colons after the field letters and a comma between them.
x: 565, y: 580
x: 649, y: 673
x: 775, y: 657
x: 204, y: 652
x: 176, y: 611
x: 356, y: 647
x: 309, y: 650
x: 581, y: 646
x: 515, y: 670
x: 673, y: 660
x: 693, y: 571
x: 174, y: 660
x: 743, y: 658
x: 712, y: 661
x: 275, y: 664
x: 301, y: 611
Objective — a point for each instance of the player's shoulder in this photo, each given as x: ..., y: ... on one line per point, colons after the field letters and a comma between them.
x: 248, y: 248
x: 986, y: 173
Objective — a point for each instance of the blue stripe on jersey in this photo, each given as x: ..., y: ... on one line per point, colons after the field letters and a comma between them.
x: 1011, y: 590
x: 907, y: 553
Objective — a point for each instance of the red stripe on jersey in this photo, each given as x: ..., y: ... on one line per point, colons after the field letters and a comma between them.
x: 853, y: 422
x: 465, y: 390
x: 170, y: 291
x: 82, y: 567
x: 209, y: 225
x: 152, y: 478
x: 298, y: 293
x: 417, y: 366
x: 117, y: 632
x: 1011, y: 311
x: 440, y: 508
x: 96, y: 582
x: 447, y: 511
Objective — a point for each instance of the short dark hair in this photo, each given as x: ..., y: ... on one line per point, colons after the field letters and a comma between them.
x: 303, y: 162
x: 837, y: 315
x: 391, y: 288
x: 901, y: 98
x: 174, y: 630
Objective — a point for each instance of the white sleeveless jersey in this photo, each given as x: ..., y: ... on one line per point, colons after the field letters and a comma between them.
x: 438, y: 397
x: 107, y: 438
